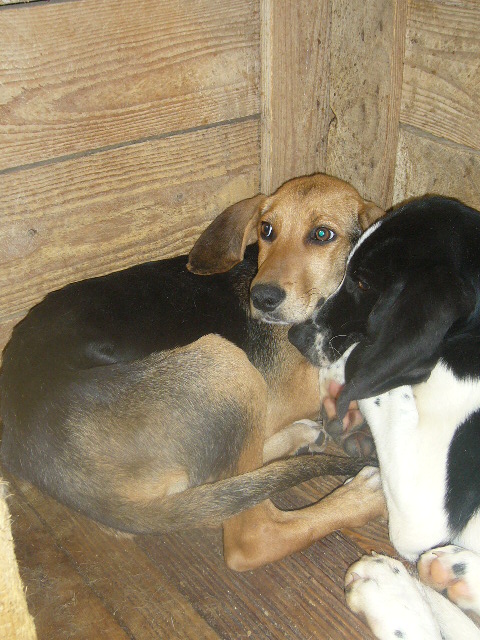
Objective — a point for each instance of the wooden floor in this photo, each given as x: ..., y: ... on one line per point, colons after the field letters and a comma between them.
x: 86, y: 583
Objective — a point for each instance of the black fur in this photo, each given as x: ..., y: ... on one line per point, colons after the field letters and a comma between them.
x: 411, y: 298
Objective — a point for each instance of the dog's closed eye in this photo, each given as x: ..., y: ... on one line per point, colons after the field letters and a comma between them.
x: 363, y: 285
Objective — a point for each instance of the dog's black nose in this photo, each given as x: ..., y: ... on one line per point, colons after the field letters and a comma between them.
x: 302, y: 336
x: 266, y: 297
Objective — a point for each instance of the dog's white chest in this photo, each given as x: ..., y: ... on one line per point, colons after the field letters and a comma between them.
x: 412, y: 431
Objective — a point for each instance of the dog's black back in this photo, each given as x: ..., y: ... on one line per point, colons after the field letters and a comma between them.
x: 78, y: 332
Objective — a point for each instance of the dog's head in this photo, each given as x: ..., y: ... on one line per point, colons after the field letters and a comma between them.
x: 404, y: 292
x: 304, y: 230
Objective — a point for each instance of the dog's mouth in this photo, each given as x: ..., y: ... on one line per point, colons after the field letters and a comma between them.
x: 279, y: 316
x: 270, y: 319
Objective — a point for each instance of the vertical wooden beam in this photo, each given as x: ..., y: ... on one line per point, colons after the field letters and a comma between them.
x: 295, y: 38
x: 366, y: 68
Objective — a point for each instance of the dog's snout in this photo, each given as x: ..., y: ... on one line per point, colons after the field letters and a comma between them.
x: 266, y: 297
x: 302, y: 336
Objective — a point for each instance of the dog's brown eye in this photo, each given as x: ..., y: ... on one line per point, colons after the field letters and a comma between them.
x: 323, y: 235
x: 364, y: 286
x: 266, y: 231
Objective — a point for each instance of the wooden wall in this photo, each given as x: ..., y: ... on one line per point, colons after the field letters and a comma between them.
x: 127, y: 125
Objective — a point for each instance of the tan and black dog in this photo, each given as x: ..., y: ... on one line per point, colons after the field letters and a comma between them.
x: 140, y: 397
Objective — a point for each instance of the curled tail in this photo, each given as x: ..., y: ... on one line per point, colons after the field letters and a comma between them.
x: 211, y: 504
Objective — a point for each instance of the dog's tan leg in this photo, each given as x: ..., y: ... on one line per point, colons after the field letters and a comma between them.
x: 289, y: 440
x: 265, y: 534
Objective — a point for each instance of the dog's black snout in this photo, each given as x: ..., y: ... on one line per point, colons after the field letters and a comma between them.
x: 266, y: 297
x: 302, y: 336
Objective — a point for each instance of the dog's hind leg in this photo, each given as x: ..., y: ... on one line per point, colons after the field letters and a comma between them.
x: 265, y: 534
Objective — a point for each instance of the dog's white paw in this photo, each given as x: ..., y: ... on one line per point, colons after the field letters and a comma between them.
x: 455, y: 570
x: 380, y: 589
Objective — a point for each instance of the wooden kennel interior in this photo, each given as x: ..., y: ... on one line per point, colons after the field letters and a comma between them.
x: 127, y: 125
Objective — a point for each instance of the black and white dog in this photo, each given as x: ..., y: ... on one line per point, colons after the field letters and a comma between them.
x: 407, y: 316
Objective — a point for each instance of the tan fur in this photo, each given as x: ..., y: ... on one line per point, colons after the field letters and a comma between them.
x: 178, y: 438
x: 307, y: 273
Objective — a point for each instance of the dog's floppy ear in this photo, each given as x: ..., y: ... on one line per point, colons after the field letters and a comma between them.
x: 368, y: 214
x: 222, y: 245
x: 404, y: 333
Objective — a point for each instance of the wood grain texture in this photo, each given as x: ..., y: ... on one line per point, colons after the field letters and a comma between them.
x: 424, y: 165
x: 62, y: 604
x: 87, y: 216
x: 366, y: 61
x: 441, y: 90
x: 295, y: 115
x: 118, y: 575
x: 86, y: 75
x: 176, y: 587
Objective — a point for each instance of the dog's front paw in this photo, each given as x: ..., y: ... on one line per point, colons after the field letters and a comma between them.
x: 359, y: 443
x: 455, y: 570
x: 352, y: 434
x: 380, y: 589
x: 315, y: 438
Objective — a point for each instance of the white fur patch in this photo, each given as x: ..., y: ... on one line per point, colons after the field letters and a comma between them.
x: 397, y: 606
x: 413, y: 430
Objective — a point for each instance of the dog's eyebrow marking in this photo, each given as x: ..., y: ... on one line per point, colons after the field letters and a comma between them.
x: 363, y: 237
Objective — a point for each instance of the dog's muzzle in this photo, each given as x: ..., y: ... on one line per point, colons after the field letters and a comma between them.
x: 309, y: 341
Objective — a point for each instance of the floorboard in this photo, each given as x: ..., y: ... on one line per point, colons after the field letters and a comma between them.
x: 84, y: 582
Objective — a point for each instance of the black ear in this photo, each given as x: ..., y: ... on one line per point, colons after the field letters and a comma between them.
x: 405, y: 331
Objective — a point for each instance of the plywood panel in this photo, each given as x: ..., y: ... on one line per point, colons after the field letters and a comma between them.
x: 295, y: 113
x: 441, y: 91
x: 85, y: 75
x: 365, y: 82
x: 87, y: 216
x: 424, y: 165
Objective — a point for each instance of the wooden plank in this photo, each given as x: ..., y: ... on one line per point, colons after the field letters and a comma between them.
x: 365, y: 84
x: 298, y: 598
x: 115, y: 570
x: 424, y: 165
x: 295, y: 114
x: 62, y: 604
x: 6, y: 330
x: 86, y: 75
x: 441, y: 90
x: 87, y: 216
x: 16, y: 622
x: 181, y: 588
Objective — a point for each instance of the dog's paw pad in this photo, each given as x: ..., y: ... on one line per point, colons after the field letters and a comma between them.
x: 381, y: 590
x: 334, y: 428
x: 359, y: 444
x: 454, y: 570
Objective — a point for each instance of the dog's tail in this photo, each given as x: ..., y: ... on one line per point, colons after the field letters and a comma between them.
x: 211, y: 504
